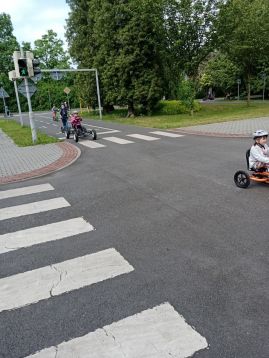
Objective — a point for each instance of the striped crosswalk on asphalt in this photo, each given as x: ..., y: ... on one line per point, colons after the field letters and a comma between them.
x: 41, y: 234
x: 157, y: 332
x: 33, y: 286
x: 32, y: 208
x: 25, y: 191
x: 154, y: 333
x: 143, y: 137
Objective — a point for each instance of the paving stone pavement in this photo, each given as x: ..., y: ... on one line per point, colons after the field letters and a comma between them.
x: 21, y: 163
x: 240, y: 128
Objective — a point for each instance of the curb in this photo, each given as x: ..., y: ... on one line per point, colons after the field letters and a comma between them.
x: 70, y: 154
x: 210, y: 134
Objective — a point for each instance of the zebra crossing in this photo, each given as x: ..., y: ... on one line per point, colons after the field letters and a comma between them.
x: 134, y: 136
x: 157, y: 332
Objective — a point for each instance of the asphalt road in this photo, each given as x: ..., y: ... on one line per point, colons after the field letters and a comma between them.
x: 171, y: 209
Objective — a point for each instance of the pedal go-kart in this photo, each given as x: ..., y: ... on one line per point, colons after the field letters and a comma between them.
x: 242, y: 178
x: 75, y: 128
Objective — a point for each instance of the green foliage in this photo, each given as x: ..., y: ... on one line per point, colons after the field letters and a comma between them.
x: 49, y: 49
x: 22, y: 136
x: 174, y: 107
x: 242, y: 33
x: 187, y: 94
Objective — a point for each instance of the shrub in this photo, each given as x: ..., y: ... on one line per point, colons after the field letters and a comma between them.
x: 174, y: 107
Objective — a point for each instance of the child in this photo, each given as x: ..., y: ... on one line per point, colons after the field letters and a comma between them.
x: 75, y: 119
x: 259, y: 152
x: 54, y: 112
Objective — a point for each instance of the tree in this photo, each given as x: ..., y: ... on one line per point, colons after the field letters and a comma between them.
x: 8, y: 44
x: 218, y: 71
x: 49, y: 49
x: 242, y: 33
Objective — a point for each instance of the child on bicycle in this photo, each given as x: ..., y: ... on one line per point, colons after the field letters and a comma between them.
x: 259, y: 152
x: 54, y: 111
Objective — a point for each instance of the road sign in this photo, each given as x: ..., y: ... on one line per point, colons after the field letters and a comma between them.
x: 67, y: 90
x: 3, y: 93
x: 56, y: 75
x: 37, y: 77
x: 22, y: 89
x: 239, y: 81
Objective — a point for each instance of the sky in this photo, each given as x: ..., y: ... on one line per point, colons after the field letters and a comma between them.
x: 33, y: 18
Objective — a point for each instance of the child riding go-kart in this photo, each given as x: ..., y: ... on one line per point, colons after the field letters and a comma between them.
x: 77, y: 129
x: 257, y: 162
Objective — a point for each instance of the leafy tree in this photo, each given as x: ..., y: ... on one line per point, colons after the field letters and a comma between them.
x: 49, y: 49
x: 8, y: 44
x: 187, y: 94
x: 218, y: 71
x: 243, y: 30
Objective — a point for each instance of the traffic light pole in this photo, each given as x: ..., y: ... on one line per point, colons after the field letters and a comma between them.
x: 18, y: 101
x: 31, y: 116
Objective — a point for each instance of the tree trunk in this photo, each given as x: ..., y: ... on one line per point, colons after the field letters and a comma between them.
x: 130, y: 113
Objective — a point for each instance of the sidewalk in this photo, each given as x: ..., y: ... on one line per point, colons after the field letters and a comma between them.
x: 21, y: 163
x: 241, y: 128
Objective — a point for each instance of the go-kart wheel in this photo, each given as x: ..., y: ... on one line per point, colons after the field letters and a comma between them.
x: 67, y: 134
x: 241, y: 179
x: 76, y: 136
x: 93, y: 134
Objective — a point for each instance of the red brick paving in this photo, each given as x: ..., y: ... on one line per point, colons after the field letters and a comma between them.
x: 70, y: 154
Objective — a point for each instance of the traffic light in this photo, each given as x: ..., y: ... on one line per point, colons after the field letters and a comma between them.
x: 36, y: 68
x: 23, y: 68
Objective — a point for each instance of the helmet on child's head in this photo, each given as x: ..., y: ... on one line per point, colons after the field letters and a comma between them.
x: 259, y: 133
x: 75, y: 112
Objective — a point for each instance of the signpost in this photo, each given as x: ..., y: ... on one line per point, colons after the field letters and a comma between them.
x: 12, y: 77
x: 238, y: 88
x: 67, y: 91
x: 4, y: 95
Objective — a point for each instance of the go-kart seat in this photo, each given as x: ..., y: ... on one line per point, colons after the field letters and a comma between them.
x: 260, y: 170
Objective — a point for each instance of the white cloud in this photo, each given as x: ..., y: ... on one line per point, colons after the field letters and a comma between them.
x: 33, y: 18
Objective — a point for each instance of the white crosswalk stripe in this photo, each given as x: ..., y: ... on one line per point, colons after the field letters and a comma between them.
x: 32, y: 286
x: 155, y: 333
x: 40, y: 234
x: 92, y: 144
x: 25, y: 191
x: 143, y: 137
x: 168, y: 134
x: 32, y: 208
x: 118, y: 140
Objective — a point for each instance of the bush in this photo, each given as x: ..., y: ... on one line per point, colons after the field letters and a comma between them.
x: 174, y: 107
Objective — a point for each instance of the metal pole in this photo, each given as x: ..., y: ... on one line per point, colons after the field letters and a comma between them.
x: 18, y: 101
x: 263, y: 91
x: 31, y: 115
x: 49, y: 99
x: 5, y: 107
x: 68, y: 102
x: 238, y: 85
x: 98, y: 94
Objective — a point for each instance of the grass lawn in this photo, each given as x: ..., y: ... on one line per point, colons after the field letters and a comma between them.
x: 210, y: 113
x: 22, y: 136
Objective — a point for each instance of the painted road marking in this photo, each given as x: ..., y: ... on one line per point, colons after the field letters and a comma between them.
x: 25, y: 191
x: 33, y: 286
x: 157, y: 333
x: 92, y: 144
x: 32, y: 208
x: 118, y: 140
x: 141, y: 136
x: 40, y: 234
x: 167, y: 134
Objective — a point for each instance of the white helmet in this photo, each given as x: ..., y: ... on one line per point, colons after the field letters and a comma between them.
x: 75, y: 112
x: 259, y: 133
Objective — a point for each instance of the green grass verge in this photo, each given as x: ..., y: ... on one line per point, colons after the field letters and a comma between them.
x: 209, y: 113
x: 22, y: 136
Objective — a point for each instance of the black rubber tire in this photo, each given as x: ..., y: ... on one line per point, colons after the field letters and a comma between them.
x: 241, y: 179
x: 76, y: 136
x: 67, y: 134
x: 93, y: 134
